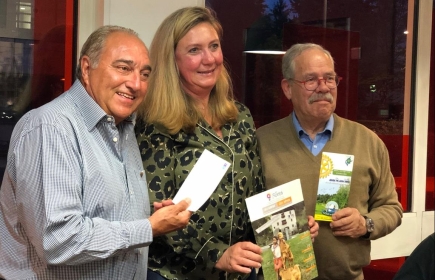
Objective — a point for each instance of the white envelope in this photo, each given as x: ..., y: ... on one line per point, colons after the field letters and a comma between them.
x: 202, y: 180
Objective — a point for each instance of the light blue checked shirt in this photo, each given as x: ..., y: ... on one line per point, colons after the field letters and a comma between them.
x: 74, y: 201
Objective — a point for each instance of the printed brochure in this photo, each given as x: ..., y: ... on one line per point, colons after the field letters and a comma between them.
x: 334, y: 184
x: 281, y: 229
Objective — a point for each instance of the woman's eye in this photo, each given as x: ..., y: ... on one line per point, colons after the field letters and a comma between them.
x: 193, y: 50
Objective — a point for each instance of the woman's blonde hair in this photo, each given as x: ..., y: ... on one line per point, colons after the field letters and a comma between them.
x: 166, y: 103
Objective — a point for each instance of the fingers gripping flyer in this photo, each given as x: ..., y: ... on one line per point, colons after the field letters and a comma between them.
x: 281, y: 229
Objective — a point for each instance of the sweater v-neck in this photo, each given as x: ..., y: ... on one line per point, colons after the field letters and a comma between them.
x: 294, y: 134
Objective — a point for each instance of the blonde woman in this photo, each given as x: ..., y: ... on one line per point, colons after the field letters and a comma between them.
x: 190, y: 108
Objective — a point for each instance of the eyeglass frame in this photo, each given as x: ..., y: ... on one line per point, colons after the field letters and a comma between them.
x: 336, y: 78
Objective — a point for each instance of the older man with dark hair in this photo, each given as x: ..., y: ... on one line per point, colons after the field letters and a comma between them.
x: 74, y: 200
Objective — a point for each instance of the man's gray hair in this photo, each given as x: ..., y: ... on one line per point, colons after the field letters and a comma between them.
x: 96, y: 42
x: 288, y: 64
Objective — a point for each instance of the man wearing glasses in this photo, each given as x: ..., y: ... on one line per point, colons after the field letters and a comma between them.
x: 292, y: 147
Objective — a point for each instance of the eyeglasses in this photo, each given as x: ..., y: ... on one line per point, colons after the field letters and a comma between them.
x: 313, y: 83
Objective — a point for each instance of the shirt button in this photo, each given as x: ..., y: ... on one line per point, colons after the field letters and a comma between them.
x: 141, y: 174
x: 109, y: 119
x: 315, y: 146
x: 115, y: 139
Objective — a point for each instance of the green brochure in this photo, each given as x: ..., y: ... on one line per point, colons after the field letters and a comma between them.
x: 334, y: 184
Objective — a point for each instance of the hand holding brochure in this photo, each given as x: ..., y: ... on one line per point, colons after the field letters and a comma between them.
x: 281, y: 229
x: 334, y: 184
x: 202, y: 180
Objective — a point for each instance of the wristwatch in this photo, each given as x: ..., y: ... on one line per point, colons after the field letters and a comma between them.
x: 370, y: 225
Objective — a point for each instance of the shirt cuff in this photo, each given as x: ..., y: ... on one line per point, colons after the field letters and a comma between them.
x: 140, y: 233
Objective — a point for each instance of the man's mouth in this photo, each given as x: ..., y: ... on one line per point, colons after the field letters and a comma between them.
x: 318, y: 100
x: 125, y: 95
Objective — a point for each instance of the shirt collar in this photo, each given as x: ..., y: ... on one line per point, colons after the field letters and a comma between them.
x: 329, y: 126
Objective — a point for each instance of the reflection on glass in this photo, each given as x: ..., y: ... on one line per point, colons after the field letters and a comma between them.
x: 24, y: 15
x: 366, y: 40
x: 32, y: 60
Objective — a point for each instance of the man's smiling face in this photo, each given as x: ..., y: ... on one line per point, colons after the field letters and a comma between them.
x: 120, y: 80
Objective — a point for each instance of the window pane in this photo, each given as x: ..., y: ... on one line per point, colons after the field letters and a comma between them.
x: 2, y: 13
x: 32, y: 59
x: 368, y: 41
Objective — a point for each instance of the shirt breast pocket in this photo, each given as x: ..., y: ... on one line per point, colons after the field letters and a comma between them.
x: 143, y: 190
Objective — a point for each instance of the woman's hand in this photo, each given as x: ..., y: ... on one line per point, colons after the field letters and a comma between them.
x: 241, y: 257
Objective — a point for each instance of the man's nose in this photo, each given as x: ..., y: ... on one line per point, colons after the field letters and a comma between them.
x: 133, y: 81
x: 321, y: 86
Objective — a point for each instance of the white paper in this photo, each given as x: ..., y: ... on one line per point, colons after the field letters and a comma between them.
x: 202, y: 180
x: 274, y: 200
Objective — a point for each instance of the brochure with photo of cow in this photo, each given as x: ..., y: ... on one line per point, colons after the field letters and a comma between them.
x: 334, y: 184
x: 281, y: 229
